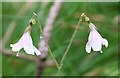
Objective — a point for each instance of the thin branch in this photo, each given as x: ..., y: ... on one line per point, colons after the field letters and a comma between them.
x: 7, y: 52
x: 22, y: 56
x: 49, y: 25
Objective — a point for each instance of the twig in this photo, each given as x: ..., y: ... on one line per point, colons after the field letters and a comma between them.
x: 7, y: 52
x: 49, y: 25
x: 22, y: 56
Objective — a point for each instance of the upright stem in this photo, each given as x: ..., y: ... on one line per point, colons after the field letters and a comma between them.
x: 59, y: 72
x: 56, y: 63
x: 69, y: 45
x: 67, y: 50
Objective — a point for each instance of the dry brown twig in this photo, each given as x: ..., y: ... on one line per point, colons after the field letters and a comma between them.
x: 22, y: 56
x: 8, y: 52
x: 49, y: 25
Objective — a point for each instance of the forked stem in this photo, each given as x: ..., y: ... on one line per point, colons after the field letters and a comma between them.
x: 59, y: 66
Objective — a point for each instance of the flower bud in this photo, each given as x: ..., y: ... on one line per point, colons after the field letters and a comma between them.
x: 35, y: 14
x: 82, y: 14
x: 32, y: 22
x: 87, y: 19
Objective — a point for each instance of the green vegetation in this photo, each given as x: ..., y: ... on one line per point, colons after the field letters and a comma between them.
x: 77, y: 62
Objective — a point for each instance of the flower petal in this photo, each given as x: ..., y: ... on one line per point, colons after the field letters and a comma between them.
x: 29, y: 49
x: 101, y: 51
x: 16, y: 47
x: 96, y: 46
x: 19, y: 45
x: 95, y: 39
x: 105, y: 42
x: 28, y: 44
x: 36, y: 51
x: 88, y: 48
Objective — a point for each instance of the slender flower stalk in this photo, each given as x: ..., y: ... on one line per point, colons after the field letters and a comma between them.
x: 26, y: 42
x: 69, y: 45
x: 41, y: 31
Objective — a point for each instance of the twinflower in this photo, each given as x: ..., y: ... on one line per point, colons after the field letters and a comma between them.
x: 95, y: 40
x: 26, y: 42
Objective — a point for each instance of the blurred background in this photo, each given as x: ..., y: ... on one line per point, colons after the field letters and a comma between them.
x: 16, y: 16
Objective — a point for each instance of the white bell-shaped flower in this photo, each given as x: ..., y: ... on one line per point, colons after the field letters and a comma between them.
x: 26, y: 43
x: 95, y: 40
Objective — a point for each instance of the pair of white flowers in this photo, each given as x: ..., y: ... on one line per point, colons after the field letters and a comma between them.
x: 95, y: 41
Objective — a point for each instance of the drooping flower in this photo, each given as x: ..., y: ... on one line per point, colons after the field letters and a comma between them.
x: 95, y: 40
x: 26, y: 43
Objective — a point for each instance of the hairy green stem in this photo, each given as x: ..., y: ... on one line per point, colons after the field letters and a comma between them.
x: 56, y: 63
x: 70, y: 43
x: 67, y: 50
x: 59, y: 72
